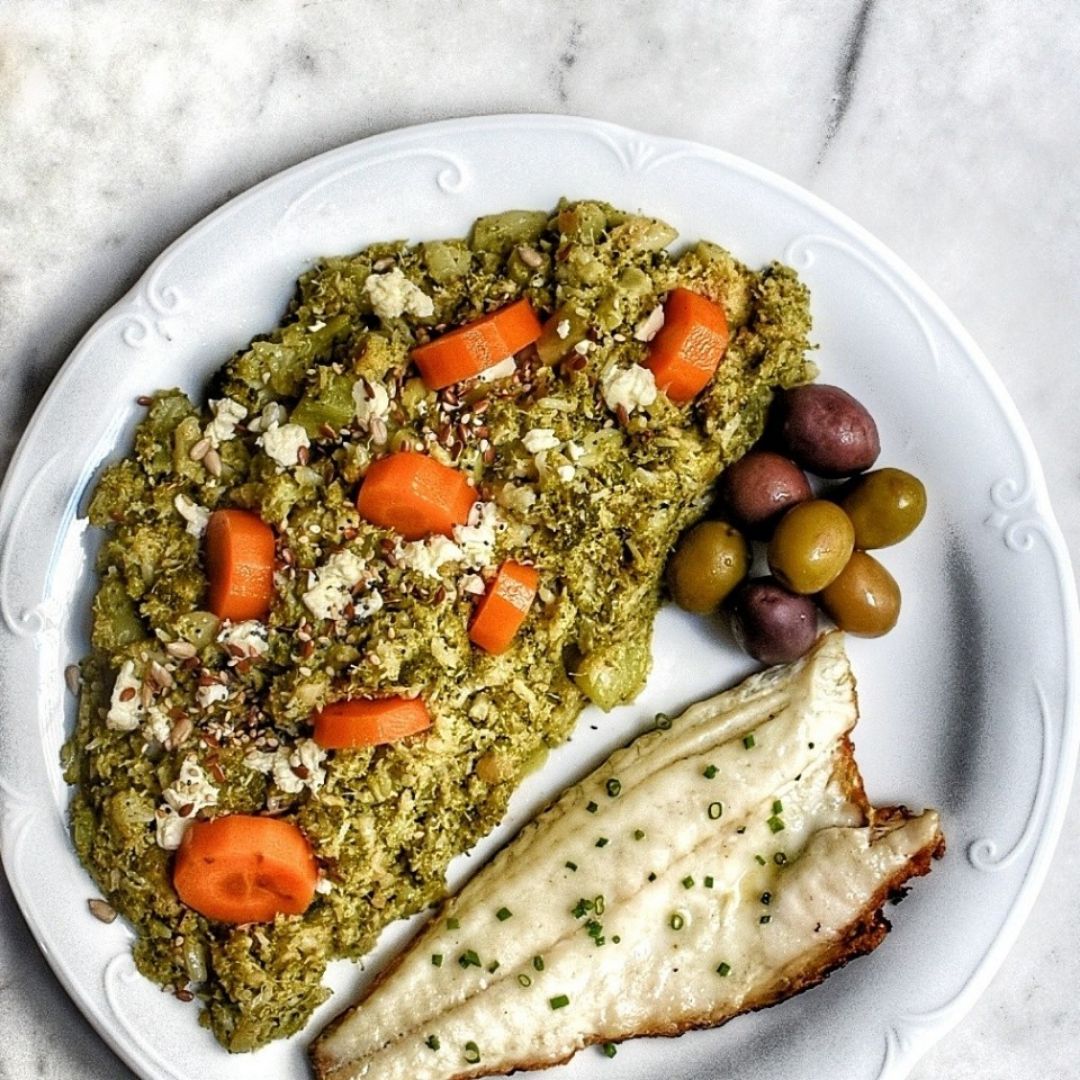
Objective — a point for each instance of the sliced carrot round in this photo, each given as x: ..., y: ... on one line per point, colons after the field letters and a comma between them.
x: 369, y: 721
x: 242, y: 868
x: 470, y: 349
x: 415, y: 495
x: 686, y: 352
x: 239, y: 564
x: 503, y: 609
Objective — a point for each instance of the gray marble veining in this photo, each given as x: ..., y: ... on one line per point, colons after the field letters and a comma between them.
x: 949, y: 129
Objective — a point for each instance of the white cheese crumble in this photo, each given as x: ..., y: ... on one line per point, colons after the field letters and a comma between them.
x: 324, y: 886
x: 272, y: 415
x: 190, y: 792
x: 248, y: 636
x: 392, y: 294
x: 372, y: 402
x: 282, y: 764
x: 210, y: 695
x: 125, y: 707
x: 650, y: 326
x: 477, y: 538
x: 566, y: 473
x: 429, y: 556
x: 195, y: 515
x: 473, y: 584
x: 227, y: 414
x: 517, y: 497
x: 563, y: 329
x: 158, y: 724
x: 632, y: 388
x: 331, y: 591
x: 574, y: 452
x: 283, y: 444
x: 584, y: 347
x: 502, y: 370
x: 539, y: 439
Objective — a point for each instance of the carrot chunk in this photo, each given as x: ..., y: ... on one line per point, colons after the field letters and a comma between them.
x: 503, y: 609
x: 239, y: 564
x: 415, y: 495
x: 241, y: 868
x: 369, y: 721
x: 472, y: 348
x: 689, y: 347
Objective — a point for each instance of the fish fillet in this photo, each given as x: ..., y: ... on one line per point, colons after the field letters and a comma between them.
x: 705, y: 870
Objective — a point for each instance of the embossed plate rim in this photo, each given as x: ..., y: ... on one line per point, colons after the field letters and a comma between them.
x: 1021, y: 506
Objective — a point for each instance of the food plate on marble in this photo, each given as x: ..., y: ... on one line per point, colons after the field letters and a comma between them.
x: 958, y: 700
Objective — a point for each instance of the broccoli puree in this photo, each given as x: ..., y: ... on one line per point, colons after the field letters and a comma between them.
x: 597, y: 513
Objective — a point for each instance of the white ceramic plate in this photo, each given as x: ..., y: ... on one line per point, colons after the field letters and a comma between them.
x: 968, y: 706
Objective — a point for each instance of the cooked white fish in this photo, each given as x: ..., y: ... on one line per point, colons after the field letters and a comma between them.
x: 715, y: 867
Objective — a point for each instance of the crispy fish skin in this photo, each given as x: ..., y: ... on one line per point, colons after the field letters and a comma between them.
x: 844, y: 859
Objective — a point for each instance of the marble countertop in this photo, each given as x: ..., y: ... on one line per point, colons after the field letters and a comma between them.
x: 946, y: 127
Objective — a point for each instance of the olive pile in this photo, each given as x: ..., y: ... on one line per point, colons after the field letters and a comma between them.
x: 816, y: 546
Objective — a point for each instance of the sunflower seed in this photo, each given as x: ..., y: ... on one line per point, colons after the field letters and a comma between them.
x: 212, y: 461
x: 182, y: 650
x: 101, y: 910
x: 181, y: 732
x: 199, y: 450
x: 160, y: 675
x: 72, y: 678
x: 530, y: 256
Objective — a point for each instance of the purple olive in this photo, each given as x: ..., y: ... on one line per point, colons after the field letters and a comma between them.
x: 827, y: 431
x: 759, y: 487
x: 773, y: 625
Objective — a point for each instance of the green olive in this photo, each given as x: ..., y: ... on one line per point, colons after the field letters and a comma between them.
x: 711, y: 559
x: 885, y: 507
x: 864, y: 599
x: 811, y: 545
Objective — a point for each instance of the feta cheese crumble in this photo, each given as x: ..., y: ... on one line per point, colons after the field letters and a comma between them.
x: 210, y: 695
x: 125, y: 707
x: 563, y: 329
x: 502, y: 370
x: 292, y: 768
x: 650, y: 326
x: 248, y: 636
x: 283, y: 444
x: 227, y: 414
x: 392, y: 294
x: 189, y: 793
x: 539, y: 439
x: 331, y: 591
x: 195, y: 515
x: 477, y: 538
x: 632, y: 388
x: 429, y: 556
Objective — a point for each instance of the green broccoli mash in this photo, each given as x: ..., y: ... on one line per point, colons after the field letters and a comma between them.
x: 578, y: 471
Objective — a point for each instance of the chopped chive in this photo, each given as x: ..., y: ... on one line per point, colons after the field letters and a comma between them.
x: 503, y: 914
x: 765, y: 919
x: 652, y: 877
x: 602, y: 841
x: 433, y: 1042
x: 639, y: 834
x: 810, y: 745
x: 775, y: 824
x: 766, y: 898
x: 469, y: 959
x: 598, y: 904
x: 780, y: 859
x: 688, y: 882
x: 710, y: 772
x: 581, y: 907
x: 493, y: 966
x: 724, y: 968
x: 741, y: 829
x: 613, y: 787
x: 538, y: 963
x: 676, y: 922
x: 591, y: 807
x: 560, y: 1001
x: 453, y: 924
x: 777, y: 806
x: 709, y: 882
x: 609, y: 1050
x: 436, y: 959
x: 472, y: 1052
x: 615, y: 939
x: 663, y: 721
x: 524, y: 979
x: 715, y: 810
x: 748, y: 741
x: 571, y: 866
x: 760, y: 860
